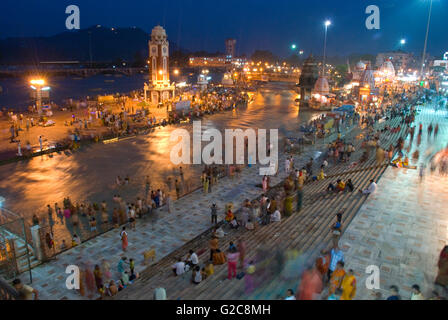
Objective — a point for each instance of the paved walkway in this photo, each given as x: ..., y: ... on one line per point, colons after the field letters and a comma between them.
x: 55, y: 133
x: 190, y: 217
x: 403, y: 227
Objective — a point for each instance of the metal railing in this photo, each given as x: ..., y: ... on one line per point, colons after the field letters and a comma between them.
x: 14, y: 230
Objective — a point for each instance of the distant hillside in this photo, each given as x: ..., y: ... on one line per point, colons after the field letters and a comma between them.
x: 108, y: 45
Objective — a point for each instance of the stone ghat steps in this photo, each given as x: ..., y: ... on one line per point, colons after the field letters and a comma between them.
x: 303, y: 231
x: 320, y: 187
x: 311, y: 227
x: 161, y: 275
x: 307, y: 220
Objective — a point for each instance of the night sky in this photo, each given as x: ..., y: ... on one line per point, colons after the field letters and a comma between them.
x: 256, y: 24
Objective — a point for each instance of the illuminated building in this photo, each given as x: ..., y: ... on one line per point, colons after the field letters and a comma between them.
x: 308, y: 79
x: 366, y: 89
x: 400, y: 59
x: 159, y: 86
x: 230, y: 49
x: 227, y: 60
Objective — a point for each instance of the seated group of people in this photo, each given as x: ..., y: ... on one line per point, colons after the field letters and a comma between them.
x: 192, y: 263
x: 341, y: 186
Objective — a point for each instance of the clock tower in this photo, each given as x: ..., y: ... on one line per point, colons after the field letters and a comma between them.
x: 159, y: 83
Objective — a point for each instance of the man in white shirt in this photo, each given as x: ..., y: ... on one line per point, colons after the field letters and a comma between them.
x: 371, y: 188
x: 193, y: 259
x: 416, y: 294
x: 276, y: 217
x: 179, y: 267
x: 287, y: 166
x: 219, y: 233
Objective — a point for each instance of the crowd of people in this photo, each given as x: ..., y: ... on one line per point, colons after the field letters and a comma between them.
x: 326, y: 278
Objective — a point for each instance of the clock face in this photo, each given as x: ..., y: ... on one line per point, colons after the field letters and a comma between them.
x: 165, y: 50
x: 154, y: 50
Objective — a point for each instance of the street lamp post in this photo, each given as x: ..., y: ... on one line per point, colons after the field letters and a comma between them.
x: 327, y: 23
x: 37, y: 85
x: 426, y: 40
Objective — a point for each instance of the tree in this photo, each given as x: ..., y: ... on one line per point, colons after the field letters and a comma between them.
x: 339, y: 74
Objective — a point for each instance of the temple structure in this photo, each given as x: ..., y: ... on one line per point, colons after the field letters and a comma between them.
x: 321, y: 87
x: 386, y: 73
x: 308, y: 79
x: 159, y: 87
x: 366, y: 89
x: 358, y: 71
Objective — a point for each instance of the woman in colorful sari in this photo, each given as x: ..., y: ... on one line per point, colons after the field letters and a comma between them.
x: 98, y: 277
x: 82, y: 287
x: 67, y: 213
x: 265, y: 183
x: 311, y: 285
x: 300, y: 180
x: 229, y: 215
x: 206, y: 185
x: 348, y: 286
x: 442, y: 276
x: 106, y: 270
x: 406, y: 161
x: 321, y: 175
x: 89, y: 280
x: 336, y: 277
x: 124, y: 239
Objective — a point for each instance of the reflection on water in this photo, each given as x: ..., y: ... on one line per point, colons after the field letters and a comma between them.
x: 16, y: 91
x: 89, y: 174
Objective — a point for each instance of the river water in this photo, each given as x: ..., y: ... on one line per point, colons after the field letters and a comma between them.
x: 89, y: 174
x: 16, y: 92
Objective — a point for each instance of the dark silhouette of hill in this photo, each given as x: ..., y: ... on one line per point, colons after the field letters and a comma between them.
x: 105, y: 45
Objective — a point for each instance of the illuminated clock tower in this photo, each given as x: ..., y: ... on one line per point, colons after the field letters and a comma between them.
x: 159, y: 85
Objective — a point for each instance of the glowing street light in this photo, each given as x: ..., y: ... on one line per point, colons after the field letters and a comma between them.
x: 293, y: 47
x: 403, y: 41
x: 327, y: 24
x: 37, y: 84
